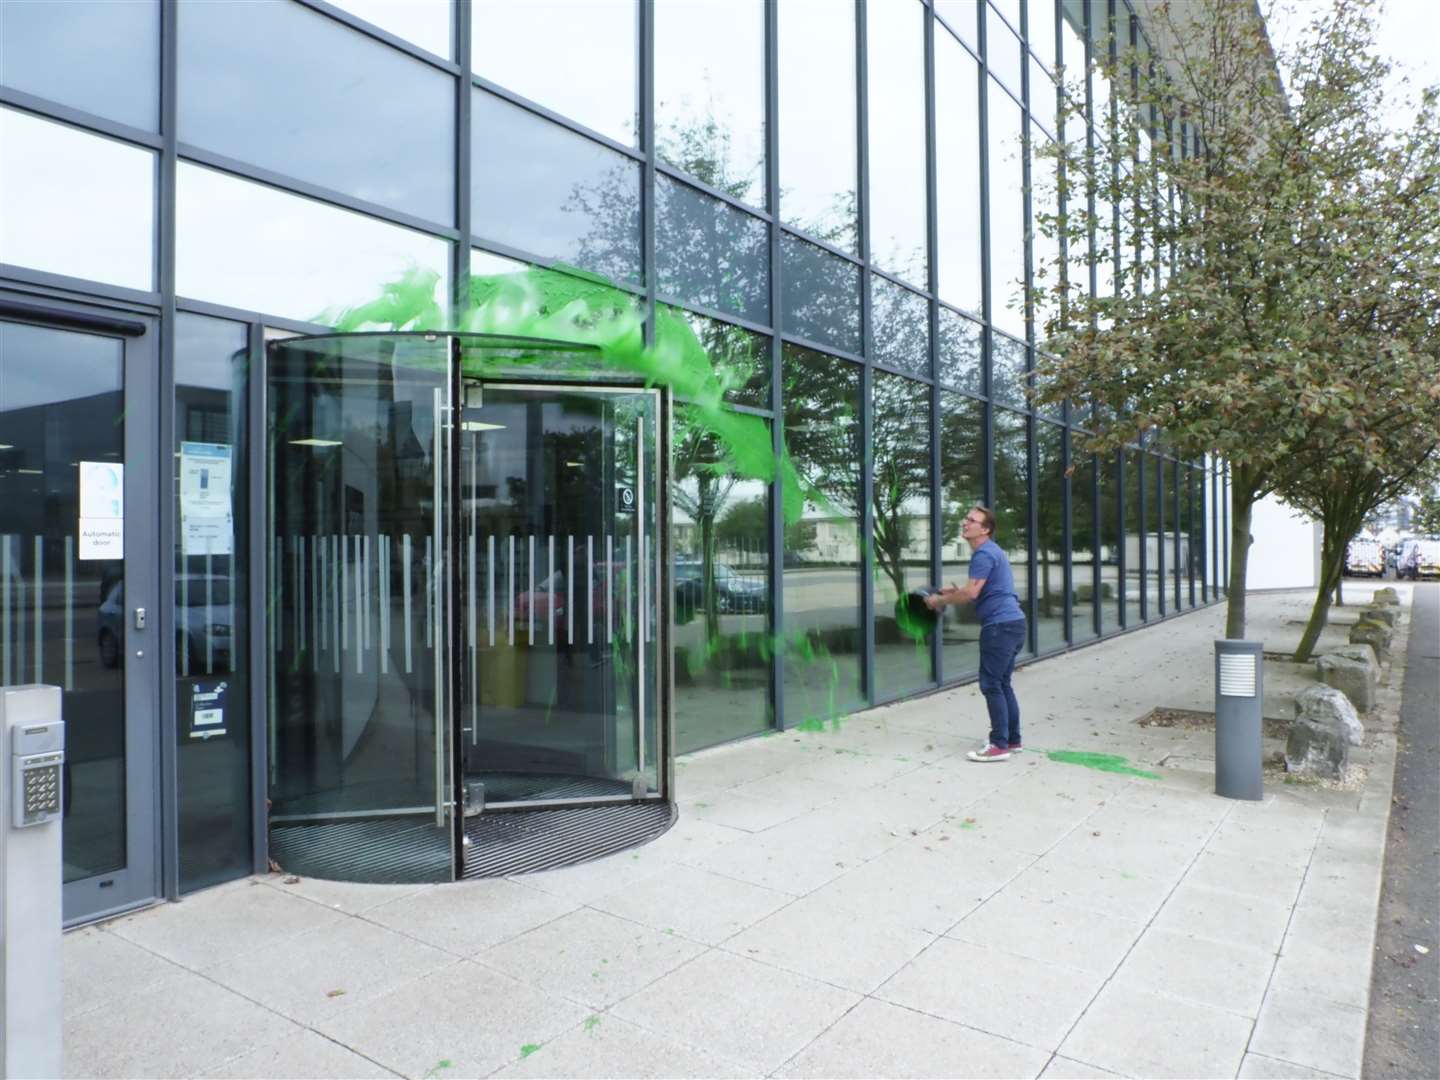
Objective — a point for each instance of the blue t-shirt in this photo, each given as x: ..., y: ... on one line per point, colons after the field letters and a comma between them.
x: 997, y: 602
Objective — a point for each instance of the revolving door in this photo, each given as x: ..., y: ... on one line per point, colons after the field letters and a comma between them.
x: 468, y: 607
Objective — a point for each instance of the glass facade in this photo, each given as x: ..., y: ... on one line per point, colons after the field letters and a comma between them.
x: 836, y: 200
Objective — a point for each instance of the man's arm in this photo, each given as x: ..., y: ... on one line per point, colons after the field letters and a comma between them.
x: 958, y: 594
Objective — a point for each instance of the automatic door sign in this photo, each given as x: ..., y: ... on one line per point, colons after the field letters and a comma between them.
x: 627, y: 500
x: 207, y: 708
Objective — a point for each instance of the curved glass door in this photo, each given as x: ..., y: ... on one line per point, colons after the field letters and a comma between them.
x: 359, y: 600
x: 559, y: 665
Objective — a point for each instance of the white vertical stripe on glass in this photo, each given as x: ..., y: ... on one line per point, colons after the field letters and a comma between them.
x: 609, y: 588
x: 210, y: 615
x: 359, y: 577
x: 530, y: 596
x: 5, y: 613
x: 490, y: 586
x: 337, y: 597
x: 317, y: 612
x: 382, y: 568
x: 589, y: 589
x: 362, y: 548
x: 184, y: 657
x: 570, y: 589
x: 550, y: 603
x: 628, y: 622
x: 405, y: 560
x: 39, y: 608
x: 429, y: 596
x: 343, y: 558
x: 510, y: 591
x: 470, y: 591
x: 69, y: 613
x: 296, y: 627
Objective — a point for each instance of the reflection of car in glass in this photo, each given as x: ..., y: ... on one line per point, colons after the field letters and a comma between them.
x: 1422, y: 560
x: 734, y: 593
x: 203, y: 621
x: 1365, y: 558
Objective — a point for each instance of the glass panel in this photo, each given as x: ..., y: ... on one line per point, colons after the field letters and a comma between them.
x: 709, y: 253
x: 595, y: 44
x: 1044, y: 195
x: 1008, y: 380
x: 957, y: 169
x: 710, y: 92
x: 88, y: 202
x: 1050, y: 535
x: 821, y: 295
x: 817, y: 120
x: 1199, y: 564
x: 960, y: 361
x: 1002, y: 51
x: 962, y: 486
x: 740, y: 358
x: 427, y: 23
x: 212, y: 684
x: 1072, y: 56
x: 823, y: 637
x: 1012, y: 497
x: 335, y: 108
x: 1010, y: 9
x: 1041, y: 31
x: 900, y: 516
x: 358, y: 466
x: 558, y: 542
x: 1043, y: 99
x: 102, y: 56
x: 1134, y: 543
x: 1082, y: 549
x: 902, y: 327
x: 1007, y: 215
x: 895, y: 40
x: 721, y: 534
x: 259, y: 249
x: 62, y: 601
x: 1112, y: 590
x: 549, y: 191
x: 1159, y: 550
x: 963, y: 17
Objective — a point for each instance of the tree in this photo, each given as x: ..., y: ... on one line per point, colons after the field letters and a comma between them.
x: 1256, y: 285
x: 1427, y: 514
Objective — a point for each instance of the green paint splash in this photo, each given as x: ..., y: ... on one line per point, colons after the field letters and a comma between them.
x: 1112, y: 763
x: 528, y: 1049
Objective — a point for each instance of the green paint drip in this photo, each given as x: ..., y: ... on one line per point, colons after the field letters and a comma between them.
x: 528, y: 1049
x: 591, y: 1023
x: 1113, y: 763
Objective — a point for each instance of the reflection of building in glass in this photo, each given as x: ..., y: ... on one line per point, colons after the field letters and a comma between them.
x: 881, y: 326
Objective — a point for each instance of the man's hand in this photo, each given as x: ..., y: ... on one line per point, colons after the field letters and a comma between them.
x: 935, y: 601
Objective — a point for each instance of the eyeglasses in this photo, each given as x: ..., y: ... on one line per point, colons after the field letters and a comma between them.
x: 972, y: 521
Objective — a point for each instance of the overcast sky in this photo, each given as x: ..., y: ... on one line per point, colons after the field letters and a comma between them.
x: 1408, y: 36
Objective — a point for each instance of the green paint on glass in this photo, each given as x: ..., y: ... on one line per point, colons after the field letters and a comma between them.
x: 1113, y: 763
x: 528, y: 1049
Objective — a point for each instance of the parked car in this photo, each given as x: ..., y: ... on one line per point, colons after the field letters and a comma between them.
x: 1365, y: 558
x: 1421, y: 561
x: 734, y: 593
x: 204, y: 620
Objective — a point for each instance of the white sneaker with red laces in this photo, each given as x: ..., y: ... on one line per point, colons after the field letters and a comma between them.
x: 990, y: 753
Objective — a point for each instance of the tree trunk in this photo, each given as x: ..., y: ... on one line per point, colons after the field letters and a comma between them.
x: 1332, y: 567
x: 1242, y: 499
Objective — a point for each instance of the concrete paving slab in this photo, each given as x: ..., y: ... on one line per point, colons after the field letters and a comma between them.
x: 788, y: 787
x: 739, y: 1009
x: 301, y: 1055
x: 591, y: 957
x: 996, y: 828
x: 880, y: 1039
x: 1063, y: 1068
x: 1311, y: 1031
x: 1215, y: 973
x: 1224, y: 916
x: 1137, y: 1032
x: 311, y: 976
x: 1255, y: 877
x: 748, y: 813
x: 1336, y: 970
x: 690, y: 838
x: 102, y: 967
x: 1260, y: 1067
x: 1102, y: 890
x: 694, y: 903
x: 1130, y: 847
x: 1050, y: 933
x: 1030, y: 1001
x: 585, y: 881
x: 853, y: 770
x: 605, y: 1046
x: 468, y: 916
x: 819, y: 939
x: 216, y: 925
x: 469, y: 1016
x: 182, y: 1027
x: 347, y: 896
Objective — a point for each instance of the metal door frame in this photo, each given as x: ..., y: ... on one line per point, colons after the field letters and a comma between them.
x: 138, y: 881
x: 658, y: 577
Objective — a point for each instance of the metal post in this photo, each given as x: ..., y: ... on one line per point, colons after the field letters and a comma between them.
x: 30, y: 891
x: 1239, y: 693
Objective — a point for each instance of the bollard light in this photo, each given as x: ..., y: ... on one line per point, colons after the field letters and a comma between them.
x: 1239, y: 693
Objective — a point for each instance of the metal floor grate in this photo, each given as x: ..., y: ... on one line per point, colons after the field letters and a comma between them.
x: 530, y: 840
x: 413, y: 850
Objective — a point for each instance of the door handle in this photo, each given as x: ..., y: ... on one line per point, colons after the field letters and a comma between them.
x: 139, y: 618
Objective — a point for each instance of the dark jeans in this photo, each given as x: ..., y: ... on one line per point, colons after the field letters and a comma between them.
x: 1000, y: 643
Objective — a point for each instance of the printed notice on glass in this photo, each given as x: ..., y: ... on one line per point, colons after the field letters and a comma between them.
x: 207, y: 520
x: 102, y: 510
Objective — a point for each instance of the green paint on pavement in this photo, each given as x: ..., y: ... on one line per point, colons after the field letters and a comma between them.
x: 1103, y: 762
x: 591, y: 1023
x: 528, y: 1049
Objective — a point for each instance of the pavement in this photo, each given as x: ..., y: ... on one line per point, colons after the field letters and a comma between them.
x: 858, y: 901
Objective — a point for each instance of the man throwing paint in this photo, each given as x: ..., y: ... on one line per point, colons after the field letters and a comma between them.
x: 1002, y: 629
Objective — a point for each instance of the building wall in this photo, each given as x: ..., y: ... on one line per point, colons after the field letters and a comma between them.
x: 1286, y: 549
x: 833, y: 197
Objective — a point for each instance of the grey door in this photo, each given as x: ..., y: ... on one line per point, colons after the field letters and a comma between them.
x: 78, y: 565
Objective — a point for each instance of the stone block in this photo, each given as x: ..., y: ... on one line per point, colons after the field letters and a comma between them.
x: 1315, y: 751
x: 1324, y: 706
x: 1374, y: 634
x: 1354, y: 677
x: 1386, y: 596
x: 1388, y: 615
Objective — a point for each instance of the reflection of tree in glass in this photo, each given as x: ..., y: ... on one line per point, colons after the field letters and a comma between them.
x: 900, y: 441
x: 1011, y: 504
x: 1049, y: 510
